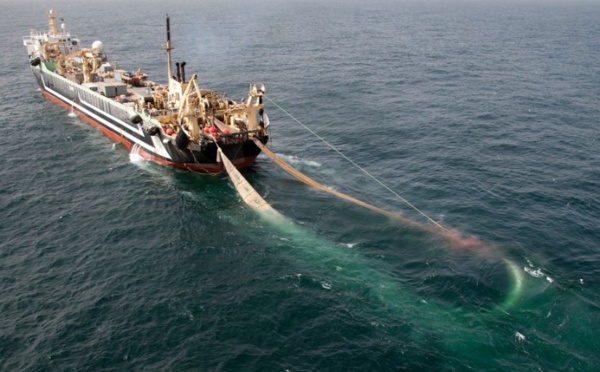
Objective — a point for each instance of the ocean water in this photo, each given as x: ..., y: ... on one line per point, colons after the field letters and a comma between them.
x: 482, y: 114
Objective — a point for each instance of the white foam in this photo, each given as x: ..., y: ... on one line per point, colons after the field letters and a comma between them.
x: 190, y: 195
x: 134, y: 155
x: 312, y: 163
x: 519, y: 336
x: 326, y: 285
x: 135, y: 158
x: 293, y: 159
x: 536, y: 272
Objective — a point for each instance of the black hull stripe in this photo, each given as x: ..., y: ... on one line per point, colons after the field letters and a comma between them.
x: 106, y: 122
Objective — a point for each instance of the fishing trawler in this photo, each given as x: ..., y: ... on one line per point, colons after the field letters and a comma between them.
x: 179, y: 124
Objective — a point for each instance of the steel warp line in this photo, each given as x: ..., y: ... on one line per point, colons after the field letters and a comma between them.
x: 358, y: 166
x: 453, y: 237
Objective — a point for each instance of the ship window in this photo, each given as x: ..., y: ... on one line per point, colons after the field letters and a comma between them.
x: 74, y: 42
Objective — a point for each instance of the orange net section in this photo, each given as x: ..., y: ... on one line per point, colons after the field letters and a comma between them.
x: 246, y: 191
x: 310, y: 182
x: 452, y: 237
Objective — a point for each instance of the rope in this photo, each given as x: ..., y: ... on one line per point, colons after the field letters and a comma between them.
x: 358, y: 166
x: 310, y: 182
x: 246, y: 191
x: 454, y: 238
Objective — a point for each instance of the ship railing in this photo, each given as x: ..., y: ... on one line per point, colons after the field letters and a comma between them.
x: 239, y: 136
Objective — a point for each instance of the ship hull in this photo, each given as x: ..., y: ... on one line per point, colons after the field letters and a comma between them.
x: 111, y: 118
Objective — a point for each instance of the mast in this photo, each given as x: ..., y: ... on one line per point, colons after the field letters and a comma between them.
x: 52, y: 22
x: 168, y: 48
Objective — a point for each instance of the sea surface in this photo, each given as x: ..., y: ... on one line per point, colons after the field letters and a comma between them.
x: 483, y: 115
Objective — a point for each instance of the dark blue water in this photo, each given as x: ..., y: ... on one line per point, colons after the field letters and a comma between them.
x: 484, y: 115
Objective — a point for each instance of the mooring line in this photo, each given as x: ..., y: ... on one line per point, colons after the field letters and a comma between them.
x: 358, y: 166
